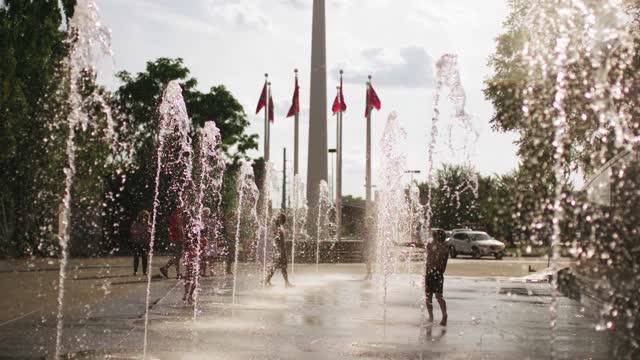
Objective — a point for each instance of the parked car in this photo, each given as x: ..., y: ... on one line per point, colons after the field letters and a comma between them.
x: 475, y: 243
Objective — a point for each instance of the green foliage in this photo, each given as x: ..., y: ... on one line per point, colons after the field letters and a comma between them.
x: 520, y: 84
x: 138, y: 97
x: 453, y: 197
x: 598, y: 94
x: 114, y: 165
x: 352, y: 216
x: 506, y: 206
x: 32, y: 108
x: 96, y: 161
x: 220, y: 106
x: 136, y: 101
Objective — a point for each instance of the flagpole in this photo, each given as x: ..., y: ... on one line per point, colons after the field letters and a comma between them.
x: 266, y: 122
x: 339, y: 166
x: 269, y: 110
x: 296, y: 138
x: 284, y: 179
x: 368, y: 160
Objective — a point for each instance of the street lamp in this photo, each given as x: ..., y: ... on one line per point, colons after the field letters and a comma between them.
x: 411, y: 230
x: 333, y: 153
x: 412, y: 172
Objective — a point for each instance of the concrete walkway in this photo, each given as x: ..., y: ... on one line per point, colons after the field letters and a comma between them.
x: 331, y: 314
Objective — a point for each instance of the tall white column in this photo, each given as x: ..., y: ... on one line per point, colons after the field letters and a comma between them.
x: 317, y: 155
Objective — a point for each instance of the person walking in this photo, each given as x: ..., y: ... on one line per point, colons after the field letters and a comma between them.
x: 176, y: 234
x: 190, y: 273
x: 140, y: 240
x: 196, y: 245
x: 279, y: 256
x: 208, y: 243
x: 226, y: 246
x: 437, y: 257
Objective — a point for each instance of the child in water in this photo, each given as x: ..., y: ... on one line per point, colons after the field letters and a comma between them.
x: 280, y: 252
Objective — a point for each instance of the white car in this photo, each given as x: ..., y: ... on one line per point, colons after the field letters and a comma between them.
x: 476, y: 244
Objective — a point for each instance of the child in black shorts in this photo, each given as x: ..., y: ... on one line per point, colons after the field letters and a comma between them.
x: 437, y: 257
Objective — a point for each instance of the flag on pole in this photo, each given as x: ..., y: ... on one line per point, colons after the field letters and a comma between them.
x: 338, y: 103
x: 271, y: 116
x: 295, y: 102
x: 373, y: 101
x: 263, y: 98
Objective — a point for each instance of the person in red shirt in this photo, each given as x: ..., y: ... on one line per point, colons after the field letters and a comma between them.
x: 176, y: 234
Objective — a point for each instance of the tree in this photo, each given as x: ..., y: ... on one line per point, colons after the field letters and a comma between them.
x: 136, y: 101
x: 506, y: 206
x: 98, y: 153
x: 573, y: 102
x: 453, y: 197
x: 503, y: 205
x: 524, y: 86
x: 32, y: 113
x: 353, y: 216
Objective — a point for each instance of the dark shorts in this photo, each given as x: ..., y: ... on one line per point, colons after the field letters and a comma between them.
x: 369, y: 250
x: 434, y: 282
x: 279, y: 262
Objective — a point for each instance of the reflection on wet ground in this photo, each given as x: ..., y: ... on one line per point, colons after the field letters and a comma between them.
x: 330, y: 315
x: 337, y: 316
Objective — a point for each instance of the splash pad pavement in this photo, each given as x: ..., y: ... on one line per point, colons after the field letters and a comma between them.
x: 330, y: 314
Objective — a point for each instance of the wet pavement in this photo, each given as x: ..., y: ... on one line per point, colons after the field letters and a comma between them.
x: 331, y: 314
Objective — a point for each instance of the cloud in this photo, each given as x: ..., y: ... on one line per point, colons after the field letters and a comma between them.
x: 243, y: 14
x: 298, y: 4
x: 307, y: 4
x: 446, y: 13
x: 246, y: 14
x: 408, y: 67
x: 431, y: 15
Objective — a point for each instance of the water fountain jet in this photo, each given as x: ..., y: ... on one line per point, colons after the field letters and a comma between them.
x: 174, y: 125
x: 247, y: 190
x: 88, y: 39
x: 212, y: 166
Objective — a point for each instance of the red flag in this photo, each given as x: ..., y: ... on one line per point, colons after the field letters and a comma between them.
x: 338, y: 103
x: 263, y: 98
x: 271, y: 116
x: 295, y: 102
x: 373, y: 101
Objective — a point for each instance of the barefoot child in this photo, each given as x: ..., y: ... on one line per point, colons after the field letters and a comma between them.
x: 194, y: 260
x: 190, y: 273
x: 437, y: 257
x: 280, y: 252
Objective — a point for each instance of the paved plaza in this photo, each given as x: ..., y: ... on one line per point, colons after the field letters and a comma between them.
x: 331, y: 313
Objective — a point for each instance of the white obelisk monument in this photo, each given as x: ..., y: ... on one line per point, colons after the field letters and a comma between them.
x: 317, y: 156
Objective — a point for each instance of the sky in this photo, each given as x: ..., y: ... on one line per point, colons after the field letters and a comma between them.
x: 235, y: 42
